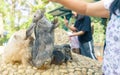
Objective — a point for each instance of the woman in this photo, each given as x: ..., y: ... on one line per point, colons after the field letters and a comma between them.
x: 105, y: 9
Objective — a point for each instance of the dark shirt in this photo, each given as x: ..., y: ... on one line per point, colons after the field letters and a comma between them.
x: 84, y: 24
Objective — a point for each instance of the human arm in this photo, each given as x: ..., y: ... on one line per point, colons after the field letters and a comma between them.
x: 85, y: 27
x: 77, y: 33
x: 71, y: 27
x: 82, y: 7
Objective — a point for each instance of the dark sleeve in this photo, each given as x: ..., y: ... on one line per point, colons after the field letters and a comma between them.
x: 75, y: 24
x: 86, y: 24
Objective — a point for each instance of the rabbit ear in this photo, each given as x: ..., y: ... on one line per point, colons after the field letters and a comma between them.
x: 55, y: 20
x: 43, y: 11
x: 30, y: 30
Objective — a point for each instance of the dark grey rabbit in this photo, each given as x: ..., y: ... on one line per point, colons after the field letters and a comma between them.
x: 61, y: 54
x: 44, y: 38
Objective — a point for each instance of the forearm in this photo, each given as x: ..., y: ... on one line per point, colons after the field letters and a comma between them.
x: 72, y: 28
x: 96, y: 9
x: 78, y: 33
x: 76, y: 5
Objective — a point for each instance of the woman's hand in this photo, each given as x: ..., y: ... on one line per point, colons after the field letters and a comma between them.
x: 66, y: 21
x: 71, y: 34
x: 96, y: 9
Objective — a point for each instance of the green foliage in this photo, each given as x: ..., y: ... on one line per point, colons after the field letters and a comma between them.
x: 2, y: 40
x: 3, y: 5
x: 37, y: 7
x: 99, y: 31
x: 95, y: 19
x: 45, y: 1
x: 26, y: 24
x: 49, y: 16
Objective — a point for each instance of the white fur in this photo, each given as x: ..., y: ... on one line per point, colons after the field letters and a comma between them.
x: 17, y: 49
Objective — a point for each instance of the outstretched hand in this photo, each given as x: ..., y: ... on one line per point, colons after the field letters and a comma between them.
x: 66, y: 21
x: 71, y: 34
